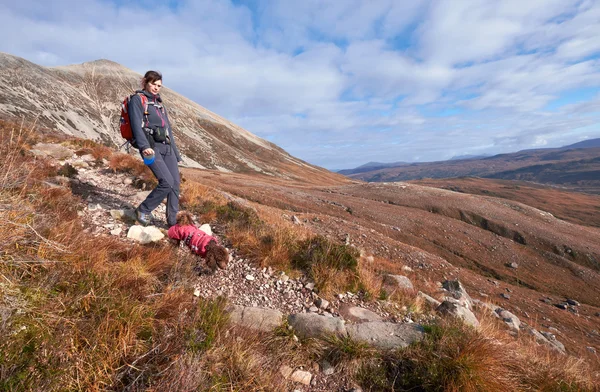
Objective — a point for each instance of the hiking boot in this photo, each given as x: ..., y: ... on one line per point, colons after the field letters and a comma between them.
x: 142, y: 217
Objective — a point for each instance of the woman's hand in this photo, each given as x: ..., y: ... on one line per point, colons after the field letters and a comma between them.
x: 148, y: 151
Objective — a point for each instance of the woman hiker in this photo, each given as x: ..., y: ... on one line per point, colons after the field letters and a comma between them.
x: 154, y: 137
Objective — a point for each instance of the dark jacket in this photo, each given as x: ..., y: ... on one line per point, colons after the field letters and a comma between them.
x: 157, y: 116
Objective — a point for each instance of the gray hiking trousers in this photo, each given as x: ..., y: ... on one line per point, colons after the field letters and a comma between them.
x: 166, y: 172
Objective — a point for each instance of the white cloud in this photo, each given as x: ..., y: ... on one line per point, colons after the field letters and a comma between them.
x: 342, y: 83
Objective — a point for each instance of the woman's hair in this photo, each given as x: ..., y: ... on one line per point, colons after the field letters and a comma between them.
x: 151, y: 77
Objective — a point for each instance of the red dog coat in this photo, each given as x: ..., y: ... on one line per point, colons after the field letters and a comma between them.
x: 193, y: 237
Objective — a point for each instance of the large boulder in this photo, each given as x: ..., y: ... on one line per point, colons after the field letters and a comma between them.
x: 454, y: 309
x: 385, y: 335
x: 434, y: 303
x: 458, y: 292
x: 261, y: 319
x: 357, y: 314
x: 554, y: 343
x: 400, y: 282
x: 312, y: 325
x: 510, y: 319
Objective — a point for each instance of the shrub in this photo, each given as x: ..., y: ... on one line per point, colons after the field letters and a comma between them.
x: 319, y: 250
x: 451, y: 357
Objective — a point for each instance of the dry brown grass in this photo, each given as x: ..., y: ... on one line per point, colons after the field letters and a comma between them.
x: 94, y: 313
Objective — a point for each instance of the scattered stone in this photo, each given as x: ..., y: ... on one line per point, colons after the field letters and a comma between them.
x: 249, y: 277
x: 546, y: 300
x: 261, y: 319
x: 510, y: 319
x: 80, y: 164
x: 327, y: 368
x: 591, y: 349
x: 429, y: 300
x: 407, y: 268
x: 145, y: 235
x: 295, y: 220
x: 386, y: 335
x: 196, y: 292
x: 127, y: 181
x: 505, y: 296
x: 312, y: 325
x: 301, y: 376
x: 457, y: 291
x: 398, y: 281
x: 537, y: 335
x: 572, y: 302
x: 286, y: 371
x: 127, y: 216
x: 309, y: 286
x: 140, y: 197
x: 562, y: 306
x: 513, y: 265
x: 358, y: 314
x: 313, y: 309
x: 553, y: 342
x: 322, y: 303
x: 116, y: 232
x: 55, y: 151
x: 456, y: 310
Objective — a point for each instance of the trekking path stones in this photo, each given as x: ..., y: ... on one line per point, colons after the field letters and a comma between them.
x: 385, y: 335
x: 358, y: 314
x: 310, y: 325
x: 262, y: 319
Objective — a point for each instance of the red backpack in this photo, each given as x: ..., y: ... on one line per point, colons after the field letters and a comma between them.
x: 125, y: 122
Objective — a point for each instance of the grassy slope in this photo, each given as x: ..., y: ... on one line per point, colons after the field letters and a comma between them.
x: 123, y: 317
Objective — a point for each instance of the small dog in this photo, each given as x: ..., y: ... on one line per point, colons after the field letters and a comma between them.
x: 198, y: 241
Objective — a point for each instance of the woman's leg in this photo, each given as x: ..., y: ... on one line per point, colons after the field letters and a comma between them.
x: 173, y: 196
x: 167, y: 184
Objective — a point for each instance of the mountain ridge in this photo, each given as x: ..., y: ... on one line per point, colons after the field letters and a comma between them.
x: 83, y: 100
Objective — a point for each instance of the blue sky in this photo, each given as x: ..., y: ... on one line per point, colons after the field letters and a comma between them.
x: 342, y: 83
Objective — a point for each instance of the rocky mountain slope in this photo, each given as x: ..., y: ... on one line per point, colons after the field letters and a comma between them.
x: 83, y: 100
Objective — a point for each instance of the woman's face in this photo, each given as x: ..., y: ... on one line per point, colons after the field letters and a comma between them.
x: 154, y: 87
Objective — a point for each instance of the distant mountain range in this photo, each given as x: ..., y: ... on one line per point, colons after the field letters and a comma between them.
x: 576, y: 166
x: 83, y: 100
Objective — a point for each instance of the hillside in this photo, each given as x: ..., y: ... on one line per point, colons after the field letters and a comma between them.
x: 580, y: 208
x: 87, y: 307
x: 83, y: 100
x: 577, y: 169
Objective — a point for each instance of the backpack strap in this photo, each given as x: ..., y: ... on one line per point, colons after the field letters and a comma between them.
x: 144, y: 99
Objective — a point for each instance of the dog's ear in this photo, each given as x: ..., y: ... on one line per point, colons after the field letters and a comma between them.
x: 184, y: 218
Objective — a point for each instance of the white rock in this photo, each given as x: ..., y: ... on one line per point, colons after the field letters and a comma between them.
x: 327, y: 369
x: 301, y: 377
x: 197, y: 293
x: 206, y: 228
x: 87, y: 158
x: 249, y: 277
x: 145, y: 235
x: 116, y: 231
x: 286, y: 371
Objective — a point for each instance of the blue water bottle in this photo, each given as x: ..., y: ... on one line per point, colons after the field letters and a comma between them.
x: 148, y: 159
